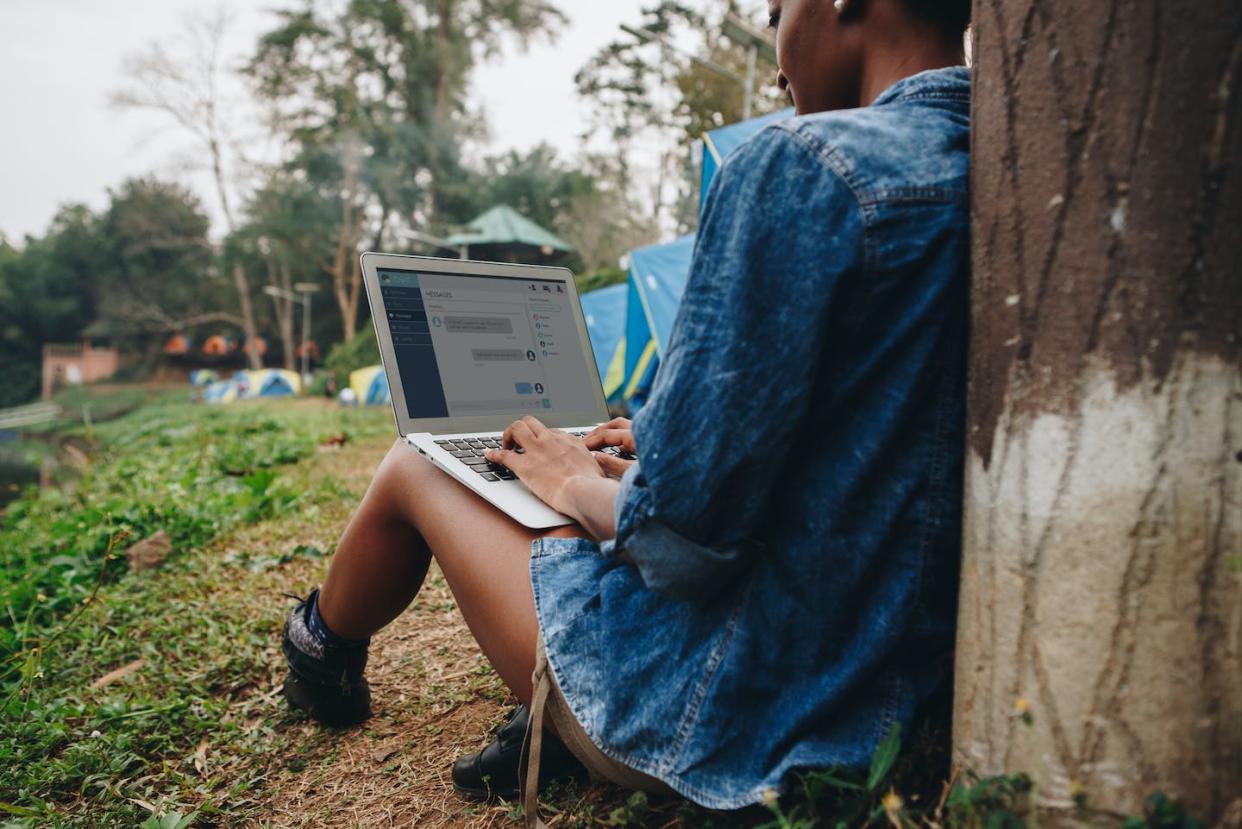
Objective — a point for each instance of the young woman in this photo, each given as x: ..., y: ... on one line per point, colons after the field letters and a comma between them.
x: 771, y: 586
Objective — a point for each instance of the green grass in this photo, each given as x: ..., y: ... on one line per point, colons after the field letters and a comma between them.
x: 196, y: 734
x: 72, y: 611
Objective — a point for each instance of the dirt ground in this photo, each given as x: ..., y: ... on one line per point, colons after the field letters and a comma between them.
x: 434, y: 694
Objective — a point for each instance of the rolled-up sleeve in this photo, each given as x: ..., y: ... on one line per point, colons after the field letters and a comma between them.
x: 780, y: 232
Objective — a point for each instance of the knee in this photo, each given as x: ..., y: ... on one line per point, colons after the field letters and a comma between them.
x: 401, y: 468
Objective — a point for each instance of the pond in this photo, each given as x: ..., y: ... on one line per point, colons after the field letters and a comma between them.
x: 17, y: 468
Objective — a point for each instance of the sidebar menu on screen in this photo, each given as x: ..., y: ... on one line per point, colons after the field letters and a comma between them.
x: 411, y: 342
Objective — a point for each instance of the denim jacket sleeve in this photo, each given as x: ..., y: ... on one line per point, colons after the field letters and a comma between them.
x: 780, y: 231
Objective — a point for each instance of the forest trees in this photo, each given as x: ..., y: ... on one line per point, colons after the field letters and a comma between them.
x: 1100, y: 639
x: 372, y: 94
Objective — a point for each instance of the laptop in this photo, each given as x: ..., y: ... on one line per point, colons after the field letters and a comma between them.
x: 469, y: 347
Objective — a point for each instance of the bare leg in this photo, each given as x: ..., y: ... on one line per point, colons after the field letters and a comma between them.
x: 411, y: 512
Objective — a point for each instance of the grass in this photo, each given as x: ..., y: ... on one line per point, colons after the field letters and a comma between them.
x: 151, y: 698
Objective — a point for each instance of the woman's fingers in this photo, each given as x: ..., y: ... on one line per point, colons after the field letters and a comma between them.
x: 521, y: 432
x: 616, y: 423
x: 609, y: 437
x: 611, y: 465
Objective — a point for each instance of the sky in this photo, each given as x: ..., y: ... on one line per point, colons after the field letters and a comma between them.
x: 61, y: 61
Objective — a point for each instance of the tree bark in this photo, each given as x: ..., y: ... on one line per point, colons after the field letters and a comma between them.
x: 1102, y: 562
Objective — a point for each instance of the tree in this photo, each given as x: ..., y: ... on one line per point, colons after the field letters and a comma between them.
x: 1101, y: 587
x: 155, y: 274
x: 648, y: 92
x: 372, y: 94
x: 187, y: 88
x: 48, y: 293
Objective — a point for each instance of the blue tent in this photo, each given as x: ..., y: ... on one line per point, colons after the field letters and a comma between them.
x: 657, y: 278
x: 270, y: 382
x: 221, y: 391
x: 604, y: 310
x: 370, y: 386
x: 720, y: 143
x: 658, y: 274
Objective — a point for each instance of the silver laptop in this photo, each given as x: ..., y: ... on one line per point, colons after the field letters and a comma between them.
x: 470, y: 347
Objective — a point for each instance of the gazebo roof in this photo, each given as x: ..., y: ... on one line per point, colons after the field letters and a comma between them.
x: 502, y: 225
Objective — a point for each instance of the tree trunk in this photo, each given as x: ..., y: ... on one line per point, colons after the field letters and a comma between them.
x: 1102, y: 569
x: 251, y: 331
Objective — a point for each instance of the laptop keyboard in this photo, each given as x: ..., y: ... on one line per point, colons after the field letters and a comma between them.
x: 470, y: 452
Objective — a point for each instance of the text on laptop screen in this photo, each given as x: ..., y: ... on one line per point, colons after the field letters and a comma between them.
x: 481, y: 345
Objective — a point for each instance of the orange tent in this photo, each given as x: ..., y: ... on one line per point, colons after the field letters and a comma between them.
x: 177, y: 345
x: 218, y: 346
x: 259, y: 344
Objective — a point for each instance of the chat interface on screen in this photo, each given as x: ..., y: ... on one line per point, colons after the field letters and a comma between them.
x: 479, y: 345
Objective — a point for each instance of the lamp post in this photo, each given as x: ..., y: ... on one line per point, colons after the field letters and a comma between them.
x: 306, y: 289
x: 303, y: 294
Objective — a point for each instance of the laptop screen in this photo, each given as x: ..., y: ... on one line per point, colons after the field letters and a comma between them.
x: 471, y: 346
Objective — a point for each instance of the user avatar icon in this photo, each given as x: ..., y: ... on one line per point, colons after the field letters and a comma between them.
x: 436, y: 322
x: 539, y: 388
x: 530, y: 355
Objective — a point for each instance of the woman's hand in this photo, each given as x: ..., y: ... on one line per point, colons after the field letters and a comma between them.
x: 551, y: 462
x: 616, y: 432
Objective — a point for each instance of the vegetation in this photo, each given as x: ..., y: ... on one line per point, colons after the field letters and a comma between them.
x: 74, y: 611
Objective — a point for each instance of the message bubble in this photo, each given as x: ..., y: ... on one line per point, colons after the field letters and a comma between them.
x: 497, y: 355
x: 478, y: 325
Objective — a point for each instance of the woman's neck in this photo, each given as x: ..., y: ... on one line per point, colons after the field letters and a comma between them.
x: 901, y: 55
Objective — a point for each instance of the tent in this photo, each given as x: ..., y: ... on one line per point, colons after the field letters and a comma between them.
x: 658, y: 273
x: 259, y: 343
x: 218, y: 346
x: 719, y: 144
x: 504, y: 235
x: 370, y: 386
x: 604, y: 310
x: 221, y: 391
x: 657, y: 278
x: 269, y: 382
x: 178, y: 345
x: 203, y: 377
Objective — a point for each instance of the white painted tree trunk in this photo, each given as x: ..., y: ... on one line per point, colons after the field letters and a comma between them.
x: 1102, y: 562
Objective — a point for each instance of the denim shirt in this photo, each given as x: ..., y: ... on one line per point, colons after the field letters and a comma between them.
x: 782, y: 587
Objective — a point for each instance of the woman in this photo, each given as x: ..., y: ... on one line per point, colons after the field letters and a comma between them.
x: 771, y: 586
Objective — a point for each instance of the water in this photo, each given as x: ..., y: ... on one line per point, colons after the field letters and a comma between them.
x: 16, y: 470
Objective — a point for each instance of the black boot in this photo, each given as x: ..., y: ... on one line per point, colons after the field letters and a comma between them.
x: 324, y: 680
x: 494, y: 771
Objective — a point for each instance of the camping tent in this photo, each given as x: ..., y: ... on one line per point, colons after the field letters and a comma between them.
x: 178, y: 345
x: 203, y: 377
x: 221, y: 391
x: 370, y: 386
x: 269, y: 382
x: 656, y: 280
x: 658, y: 273
x: 504, y: 235
x: 218, y: 346
x: 604, y: 310
x: 720, y: 143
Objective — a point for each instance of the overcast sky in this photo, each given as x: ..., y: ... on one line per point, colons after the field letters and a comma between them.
x: 60, y: 61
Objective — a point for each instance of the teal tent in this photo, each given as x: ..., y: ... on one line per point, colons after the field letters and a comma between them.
x: 658, y: 274
x: 657, y: 278
x: 221, y: 391
x: 604, y: 310
x: 269, y: 382
x: 504, y: 235
x: 719, y: 144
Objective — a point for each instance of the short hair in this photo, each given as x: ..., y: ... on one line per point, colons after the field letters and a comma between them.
x: 953, y: 16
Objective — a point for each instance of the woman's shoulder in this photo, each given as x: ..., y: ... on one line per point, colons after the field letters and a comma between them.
x: 905, y: 148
